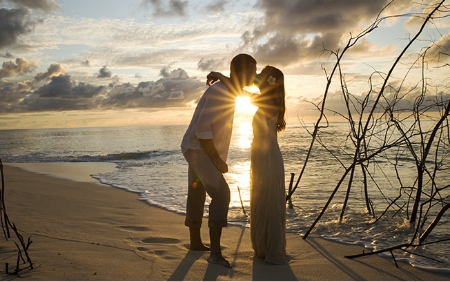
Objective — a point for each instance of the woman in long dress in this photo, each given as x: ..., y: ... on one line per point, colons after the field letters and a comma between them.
x: 267, y: 183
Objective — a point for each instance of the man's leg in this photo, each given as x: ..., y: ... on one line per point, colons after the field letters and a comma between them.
x: 216, y: 252
x: 218, y: 213
x: 196, y: 240
x: 194, y: 210
x: 217, y: 188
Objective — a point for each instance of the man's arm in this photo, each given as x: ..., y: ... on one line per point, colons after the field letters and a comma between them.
x: 211, y: 151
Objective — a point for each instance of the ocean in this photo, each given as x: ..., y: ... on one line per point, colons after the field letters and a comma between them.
x: 148, y: 161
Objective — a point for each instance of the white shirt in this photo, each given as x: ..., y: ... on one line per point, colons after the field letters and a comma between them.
x: 212, y: 119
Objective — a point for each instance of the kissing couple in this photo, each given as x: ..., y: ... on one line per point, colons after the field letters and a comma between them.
x: 205, y: 147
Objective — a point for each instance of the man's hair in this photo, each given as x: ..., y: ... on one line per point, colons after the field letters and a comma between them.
x: 240, y: 63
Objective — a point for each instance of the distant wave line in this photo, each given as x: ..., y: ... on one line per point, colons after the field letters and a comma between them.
x: 113, y: 157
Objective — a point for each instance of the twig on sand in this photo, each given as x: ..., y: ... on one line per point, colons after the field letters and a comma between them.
x: 240, y: 198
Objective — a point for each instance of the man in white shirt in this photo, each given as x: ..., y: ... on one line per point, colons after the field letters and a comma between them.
x: 205, y: 147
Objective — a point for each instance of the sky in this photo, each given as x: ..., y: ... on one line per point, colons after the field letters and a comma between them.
x: 80, y: 63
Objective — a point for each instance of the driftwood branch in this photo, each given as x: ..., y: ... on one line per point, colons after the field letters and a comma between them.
x: 3, y: 214
x: 6, y: 224
x: 434, y: 223
x: 397, y: 247
x: 363, y: 254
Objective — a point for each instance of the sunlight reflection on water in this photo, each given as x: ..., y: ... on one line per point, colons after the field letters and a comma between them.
x: 245, y: 135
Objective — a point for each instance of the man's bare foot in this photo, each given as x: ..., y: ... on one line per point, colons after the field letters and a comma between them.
x: 199, y: 248
x: 220, y: 260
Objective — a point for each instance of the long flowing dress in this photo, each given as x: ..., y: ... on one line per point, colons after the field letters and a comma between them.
x: 267, y: 192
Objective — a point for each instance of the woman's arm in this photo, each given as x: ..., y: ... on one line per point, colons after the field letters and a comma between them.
x: 214, y: 76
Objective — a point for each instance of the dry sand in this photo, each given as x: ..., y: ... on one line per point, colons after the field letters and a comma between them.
x: 89, y: 231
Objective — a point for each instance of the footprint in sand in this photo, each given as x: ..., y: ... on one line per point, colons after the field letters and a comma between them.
x: 155, y: 247
x: 159, y: 240
x: 134, y: 228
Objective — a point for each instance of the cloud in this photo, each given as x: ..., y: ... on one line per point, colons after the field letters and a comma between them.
x: 11, y: 92
x: 216, y: 7
x: 439, y: 51
x: 175, y: 88
x: 13, y: 24
x: 297, y: 30
x: 398, y: 97
x: 20, y: 67
x: 104, y: 73
x: 210, y: 64
x: 85, y: 63
x: 176, y: 95
x: 62, y: 93
x: 52, y: 70
x: 43, y: 5
x: 178, y: 73
x: 175, y: 7
x: 7, y: 55
x: 280, y: 50
x: 63, y: 86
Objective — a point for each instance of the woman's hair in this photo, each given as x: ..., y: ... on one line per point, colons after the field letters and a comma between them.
x: 276, y: 93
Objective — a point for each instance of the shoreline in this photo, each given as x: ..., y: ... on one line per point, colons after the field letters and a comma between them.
x: 74, y: 171
x: 88, y: 231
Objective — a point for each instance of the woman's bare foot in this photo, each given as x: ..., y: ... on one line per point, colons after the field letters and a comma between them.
x: 218, y: 259
x: 199, y: 247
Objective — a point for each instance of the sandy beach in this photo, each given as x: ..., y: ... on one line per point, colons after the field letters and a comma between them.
x: 83, y: 230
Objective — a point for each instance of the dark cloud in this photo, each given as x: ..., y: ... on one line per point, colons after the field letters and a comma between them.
x: 11, y: 92
x: 17, y: 22
x: 35, y: 104
x: 104, y: 73
x: 176, y: 95
x: 62, y: 86
x: 175, y: 88
x: 85, y: 63
x: 123, y: 96
x: 279, y: 50
x: 62, y: 93
x: 173, y: 9
x: 7, y: 55
x: 296, y: 30
x: 43, y: 5
x: 59, y: 86
x: 178, y: 73
x: 210, y: 64
x: 13, y: 24
x: 52, y: 70
x: 216, y: 6
x: 178, y: 7
x: 324, y: 17
x: 20, y: 67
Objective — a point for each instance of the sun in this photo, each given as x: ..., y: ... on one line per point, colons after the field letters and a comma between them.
x: 244, y: 106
